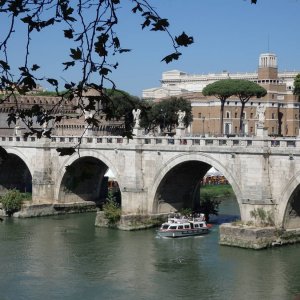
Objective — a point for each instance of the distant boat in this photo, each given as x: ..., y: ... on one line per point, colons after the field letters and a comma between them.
x: 182, y: 227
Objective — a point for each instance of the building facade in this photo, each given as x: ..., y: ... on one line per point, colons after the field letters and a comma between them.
x: 282, y: 107
x: 73, y: 123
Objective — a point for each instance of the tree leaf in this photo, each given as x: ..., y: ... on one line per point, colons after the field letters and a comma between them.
x: 4, y: 65
x: 184, y: 40
x: 68, y: 64
x: 35, y: 67
x: 68, y: 33
x: 76, y: 53
x: 160, y: 25
x: 66, y: 151
x: 52, y: 81
x: 104, y: 71
x: 171, y: 57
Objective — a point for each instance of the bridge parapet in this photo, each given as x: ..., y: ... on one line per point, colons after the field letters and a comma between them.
x: 202, y: 142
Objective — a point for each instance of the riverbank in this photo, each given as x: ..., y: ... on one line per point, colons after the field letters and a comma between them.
x: 29, y: 210
x: 218, y: 190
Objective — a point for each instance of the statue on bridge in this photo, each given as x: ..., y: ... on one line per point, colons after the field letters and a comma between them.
x: 260, y: 114
x: 17, y: 131
x: 181, y: 115
x: 136, y: 117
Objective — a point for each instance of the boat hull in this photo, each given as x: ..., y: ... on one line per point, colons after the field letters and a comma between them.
x: 182, y: 233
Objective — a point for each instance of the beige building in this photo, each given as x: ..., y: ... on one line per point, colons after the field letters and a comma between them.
x: 282, y: 107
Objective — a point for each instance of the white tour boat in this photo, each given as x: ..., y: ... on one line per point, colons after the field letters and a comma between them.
x: 178, y: 226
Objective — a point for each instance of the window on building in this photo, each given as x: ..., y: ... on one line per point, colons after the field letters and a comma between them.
x: 251, y: 129
x: 235, y: 114
x: 235, y: 129
x: 227, y: 114
x: 251, y: 115
x: 199, y: 115
x: 273, y: 130
x: 296, y: 116
x: 273, y: 116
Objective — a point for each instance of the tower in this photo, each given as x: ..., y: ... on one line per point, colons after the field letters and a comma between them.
x: 267, y: 68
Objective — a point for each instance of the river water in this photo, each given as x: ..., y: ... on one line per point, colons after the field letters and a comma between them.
x: 66, y: 257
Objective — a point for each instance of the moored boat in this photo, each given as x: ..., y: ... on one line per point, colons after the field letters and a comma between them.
x: 178, y: 226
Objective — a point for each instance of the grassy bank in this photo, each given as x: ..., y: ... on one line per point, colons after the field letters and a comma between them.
x: 218, y: 190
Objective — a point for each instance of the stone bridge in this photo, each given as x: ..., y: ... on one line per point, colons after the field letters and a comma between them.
x: 158, y: 174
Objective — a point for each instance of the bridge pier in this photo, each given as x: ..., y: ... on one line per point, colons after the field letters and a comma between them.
x: 42, y: 188
x: 42, y: 183
x: 134, y: 201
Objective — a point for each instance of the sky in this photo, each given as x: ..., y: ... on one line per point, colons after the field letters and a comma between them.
x: 228, y: 35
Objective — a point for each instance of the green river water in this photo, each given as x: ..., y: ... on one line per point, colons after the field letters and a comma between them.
x: 66, y: 257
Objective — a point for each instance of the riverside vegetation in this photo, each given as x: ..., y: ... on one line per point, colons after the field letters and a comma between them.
x: 12, y: 201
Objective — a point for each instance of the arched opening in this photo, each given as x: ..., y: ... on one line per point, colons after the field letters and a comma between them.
x: 179, y: 189
x: 14, y: 175
x: 85, y: 180
x: 184, y: 185
x: 292, y: 212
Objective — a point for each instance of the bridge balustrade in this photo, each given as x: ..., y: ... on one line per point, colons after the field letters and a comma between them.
x: 176, y: 141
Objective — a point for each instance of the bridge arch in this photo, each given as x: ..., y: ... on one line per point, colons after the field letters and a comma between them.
x: 16, y: 171
x: 85, y: 157
x: 26, y: 159
x: 179, y: 160
x: 289, y: 204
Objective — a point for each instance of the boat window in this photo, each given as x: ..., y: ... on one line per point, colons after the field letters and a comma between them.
x: 180, y: 227
x: 165, y: 226
x: 201, y: 225
x: 196, y: 225
x: 173, y: 227
x: 186, y: 226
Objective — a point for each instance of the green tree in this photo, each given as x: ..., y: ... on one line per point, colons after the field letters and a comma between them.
x: 164, y: 114
x: 297, y: 86
x: 120, y: 107
x: 209, y: 204
x: 245, y: 90
x: 221, y: 89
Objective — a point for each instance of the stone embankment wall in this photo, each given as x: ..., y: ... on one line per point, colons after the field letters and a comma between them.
x: 256, y: 237
x: 131, y: 222
x: 29, y: 211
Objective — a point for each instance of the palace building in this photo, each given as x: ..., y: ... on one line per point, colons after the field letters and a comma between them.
x: 282, y: 107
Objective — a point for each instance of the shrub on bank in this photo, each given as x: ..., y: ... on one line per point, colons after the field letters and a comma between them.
x: 112, y: 210
x: 12, y: 201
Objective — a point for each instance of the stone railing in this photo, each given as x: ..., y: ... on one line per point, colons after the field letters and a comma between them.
x: 248, y: 142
